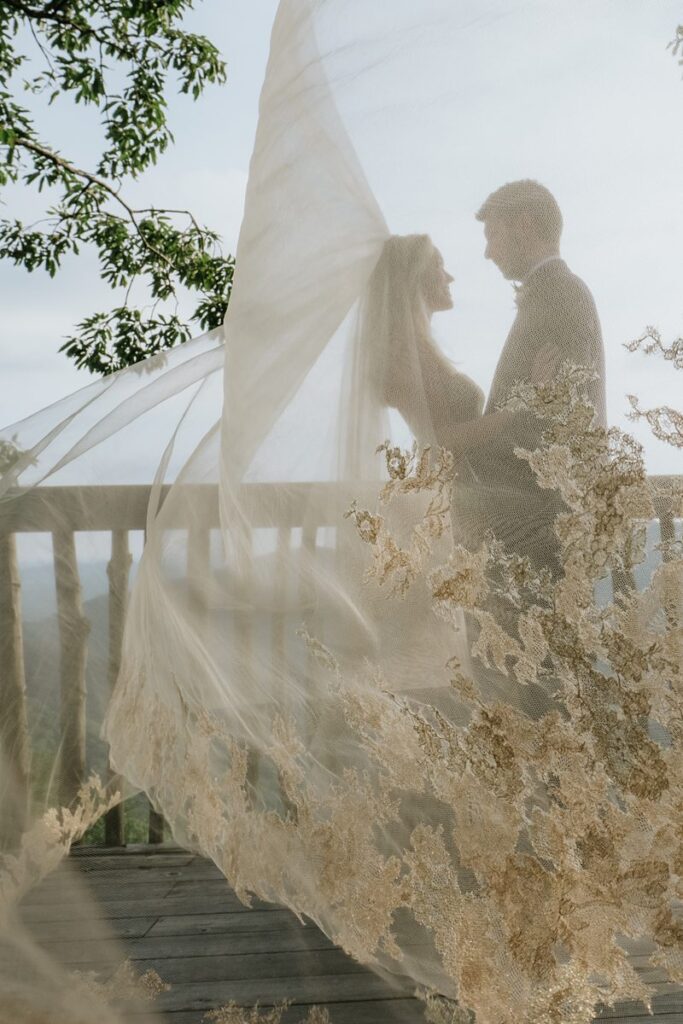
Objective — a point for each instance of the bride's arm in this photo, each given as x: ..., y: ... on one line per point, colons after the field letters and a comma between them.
x: 435, y: 396
x: 453, y: 397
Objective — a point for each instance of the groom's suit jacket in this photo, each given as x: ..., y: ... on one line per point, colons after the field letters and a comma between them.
x: 556, y: 321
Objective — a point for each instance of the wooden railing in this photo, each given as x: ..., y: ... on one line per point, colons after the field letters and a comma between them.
x: 119, y: 511
x: 63, y: 512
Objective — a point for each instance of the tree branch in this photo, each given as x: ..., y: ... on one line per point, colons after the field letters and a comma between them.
x: 168, y: 247
x: 93, y: 179
x: 42, y: 49
x: 51, y: 13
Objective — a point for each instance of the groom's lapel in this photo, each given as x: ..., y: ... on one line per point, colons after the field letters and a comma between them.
x: 525, y: 295
x: 539, y: 282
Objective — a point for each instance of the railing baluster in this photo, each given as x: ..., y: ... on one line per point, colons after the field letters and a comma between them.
x: 667, y: 525
x: 118, y: 571
x: 243, y: 620
x: 308, y: 589
x: 308, y: 599
x: 664, y: 507
x: 243, y: 629
x: 284, y: 535
x: 198, y: 566
x: 155, y: 820
x: 14, y: 739
x: 156, y: 827
x: 73, y: 642
x: 279, y: 652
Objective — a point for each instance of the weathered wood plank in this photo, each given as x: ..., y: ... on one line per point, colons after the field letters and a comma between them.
x: 265, y: 940
x: 172, y: 947
x: 384, y: 1011
x: 137, y: 876
x: 81, y: 953
x: 116, y: 888
x: 139, y: 856
x: 54, y: 896
x: 121, y: 928
x: 253, y: 966
x: 180, y: 906
x: 214, y: 887
x: 669, y: 1002
x: 329, y: 988
x: 213, y: 924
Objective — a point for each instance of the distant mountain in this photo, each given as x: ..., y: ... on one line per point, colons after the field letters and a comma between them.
x: 38, y: 596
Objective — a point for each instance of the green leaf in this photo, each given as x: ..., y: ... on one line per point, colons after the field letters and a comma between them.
x: 85, y: 47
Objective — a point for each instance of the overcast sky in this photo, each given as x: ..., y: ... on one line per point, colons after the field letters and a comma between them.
x: 623, y: 236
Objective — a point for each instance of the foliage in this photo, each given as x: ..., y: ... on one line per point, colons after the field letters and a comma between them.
x: 10, y: 453
x: 115, y: 56
x: 676, y: 45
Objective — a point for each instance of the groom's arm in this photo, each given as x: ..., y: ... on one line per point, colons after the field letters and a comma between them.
x: 436, y: 397
x: 485, y: 431
x: 568, y: 331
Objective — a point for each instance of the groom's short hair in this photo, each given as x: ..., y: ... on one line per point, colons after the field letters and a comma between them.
x: 526, y: 198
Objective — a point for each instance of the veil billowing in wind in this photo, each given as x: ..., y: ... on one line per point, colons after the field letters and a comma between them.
x: 350, y: 674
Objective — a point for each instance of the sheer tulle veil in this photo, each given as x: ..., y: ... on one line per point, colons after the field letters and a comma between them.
x: 402, y: 662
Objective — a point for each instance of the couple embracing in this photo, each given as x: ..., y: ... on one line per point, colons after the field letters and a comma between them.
x: 556, y: 322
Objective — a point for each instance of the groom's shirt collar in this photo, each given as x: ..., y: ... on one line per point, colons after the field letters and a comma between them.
x: 522, y: 290
x: 537, y: 266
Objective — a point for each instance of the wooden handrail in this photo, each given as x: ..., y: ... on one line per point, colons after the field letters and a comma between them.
x: 124, y: 507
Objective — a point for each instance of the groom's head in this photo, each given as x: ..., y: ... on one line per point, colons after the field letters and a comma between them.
x: 522, y: 224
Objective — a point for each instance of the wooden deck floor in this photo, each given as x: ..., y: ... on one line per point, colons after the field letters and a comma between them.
x: 169, y: 910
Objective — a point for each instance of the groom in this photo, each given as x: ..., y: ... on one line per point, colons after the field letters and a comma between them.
x: 556, y: 321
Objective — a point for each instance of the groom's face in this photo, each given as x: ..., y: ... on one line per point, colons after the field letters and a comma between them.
x: 505, y: 246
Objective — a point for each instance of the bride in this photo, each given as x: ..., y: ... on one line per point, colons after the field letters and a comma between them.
x: 409, y: 284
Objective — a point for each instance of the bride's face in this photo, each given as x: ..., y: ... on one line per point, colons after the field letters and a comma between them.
x: 437, y: 285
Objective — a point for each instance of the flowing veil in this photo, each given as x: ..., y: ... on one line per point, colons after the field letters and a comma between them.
x: 422, y: 691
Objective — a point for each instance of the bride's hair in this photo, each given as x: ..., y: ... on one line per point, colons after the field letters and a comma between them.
x: 396, y: 314
x: 397, y: 286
